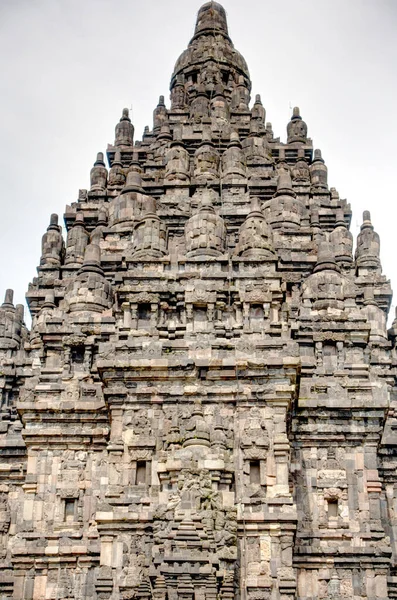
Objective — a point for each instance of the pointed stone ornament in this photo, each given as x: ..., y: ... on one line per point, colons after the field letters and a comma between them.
x: 206, y: 161
x: 149, y: 238
x: 99, y: 175
x: 117, y: 176
x: 297, y: 128
x: 205, y: 232
x: 258, y: 113
x: 300, y: 171
x: 124, y: 133
x: 375, y: 316
x: 220, y: 107
x: 255, y: 235
x: 77, y: 241
x: 286, y: 210
x: 325, y: 258
x: 368, y: 246
x: 8, y: 299
x: 342, y: 240
x: 52, y: 246
x: 160, y: 116
x: 177, y: 170
x: 211, y: 18
x: 234, y: 167
x: 90, y: 291
x: 319, y: 173
x: 134, y: 177
x: 165, y: 134
x: 178, y: 96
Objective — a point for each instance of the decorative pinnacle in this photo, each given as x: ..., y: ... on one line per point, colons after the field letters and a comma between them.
x: 125, y: 115
x: 53, y: 222
x: 367, y: 220
x: 79, y: 220
x: 211, y: 17
x: 8, y: 299
x: 284, y: 185
x: 325, y: 258
x: 318, y: 156
x: 99, y: 160
x: 296, y: 114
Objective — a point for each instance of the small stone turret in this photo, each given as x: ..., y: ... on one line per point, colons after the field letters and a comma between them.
x: 124, y: 133
x: 90, y: 291
x: 342, y: 240
x: 240, y: 96
x: 234, y: 169
x: 206, y: 161
x: 296, y: 128
x: 286, y: 210
x: 319, y: 173
x: 149, y: 239
x: 177, y: 170
x: 99, y: 175
x: 375, y: 316
x: 77, y: 241
x: 97, y: 233
x: 129, y: 205
x: 220, y: 111
x: 255, y: 146
x: 255, y: 235
x: 11, y: 324
x: 211, y: 17
x: 160, y: 115
x: 117, y: 176
x: 300, y: 171
x: 368, y: 246
x: 178, y: 96
x: 200, y: 106
x: 326, y: 288
x: 258, y: 112
x: 205, y: 232
x: 52, y: 245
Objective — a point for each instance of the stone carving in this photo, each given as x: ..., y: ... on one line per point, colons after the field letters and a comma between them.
x: 206, y: 162
x: 124, y: 133
x: 117, y: 175
x: 99, y: 175
x: 368, y: 244
x: 177, y: 169
x: 234, y: 168
x: 286, y: 210
x: 76, y: 242
x: 52, y: 245
x: 319, y: 173
x: 255, y: 235
x: 297, y: 128
x: 205, y: 232
x: 205, y: 404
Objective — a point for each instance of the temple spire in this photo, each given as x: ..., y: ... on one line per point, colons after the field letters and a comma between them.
x: 211, y: 16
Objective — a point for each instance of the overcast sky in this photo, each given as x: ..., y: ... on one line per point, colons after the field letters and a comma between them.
x: 68, y: 67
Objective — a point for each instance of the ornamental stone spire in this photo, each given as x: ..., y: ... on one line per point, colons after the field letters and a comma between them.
x: 205, y: 405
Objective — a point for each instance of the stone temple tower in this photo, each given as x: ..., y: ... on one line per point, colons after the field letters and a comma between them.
x: 205, y: 406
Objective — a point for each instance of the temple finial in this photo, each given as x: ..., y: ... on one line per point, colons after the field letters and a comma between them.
x: 211, y: 17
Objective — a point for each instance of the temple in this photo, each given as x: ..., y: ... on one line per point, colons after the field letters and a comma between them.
x: 205, y: 406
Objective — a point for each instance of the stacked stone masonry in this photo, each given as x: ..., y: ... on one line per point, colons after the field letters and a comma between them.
x: 205, y: 407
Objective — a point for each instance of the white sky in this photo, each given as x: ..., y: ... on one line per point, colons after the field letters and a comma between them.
x: 68, y: 67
